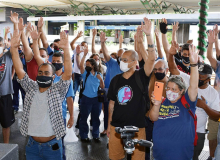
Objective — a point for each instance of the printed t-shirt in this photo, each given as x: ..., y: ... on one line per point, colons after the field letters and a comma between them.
x: 174, y: 131
x: 182, y: 67
x: 129, y: 106
x: 6, y: 85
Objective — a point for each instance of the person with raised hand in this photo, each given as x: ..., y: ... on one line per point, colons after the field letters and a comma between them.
x: 170, y: 113
x: 158, y: 42
x: 42, y: 118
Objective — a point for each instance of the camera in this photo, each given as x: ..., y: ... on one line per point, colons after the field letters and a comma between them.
x: 127, y: 133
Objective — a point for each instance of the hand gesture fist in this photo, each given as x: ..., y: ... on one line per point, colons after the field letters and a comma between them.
x: 14, y: 17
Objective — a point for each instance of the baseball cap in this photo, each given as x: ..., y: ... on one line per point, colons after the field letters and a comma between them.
x: 205, y: 69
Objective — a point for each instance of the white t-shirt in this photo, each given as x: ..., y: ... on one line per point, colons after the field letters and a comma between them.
x: 212, y: 100
x: 76, y: 68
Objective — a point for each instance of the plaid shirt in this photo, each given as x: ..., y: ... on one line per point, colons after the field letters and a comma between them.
x: 56, y: 94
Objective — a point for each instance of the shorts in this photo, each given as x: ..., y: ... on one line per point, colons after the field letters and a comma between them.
x: 213, y: 129
x: 116, y: 146
x: 7, y: 117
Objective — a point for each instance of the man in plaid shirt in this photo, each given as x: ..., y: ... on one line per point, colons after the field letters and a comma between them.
x: 42, y: 118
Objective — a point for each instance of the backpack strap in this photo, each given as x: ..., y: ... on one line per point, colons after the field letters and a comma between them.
x: 87, y: 75
x: 117, y: 77
x: 187, y: 106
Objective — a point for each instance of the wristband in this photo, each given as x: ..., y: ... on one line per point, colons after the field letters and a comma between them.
x: 193, y: 65
x: 150, y: 45
x: 163, y: 27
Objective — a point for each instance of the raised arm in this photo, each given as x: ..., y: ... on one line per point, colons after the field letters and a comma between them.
x: 215, y: 29
x: 14, y: 19
x: 27, y: 50
x: 94, y: 33
x: 157, y: 35
x: 72, y: 44
x: 103, y: 46
x: 171, y: 59
x: 42, y: 36
x: 149, y: 62
x: 163, y: 29
x: 194, y: 74
x: 7, y: 30
x: 15, y: 42
x: 175, y: 28
x: 121, y: 40
x: 64, y: 44
x: 82, y: 62
x: 136, y: 47
x: 211, y: 40
x: 35, y: 36
x: 28, y: 29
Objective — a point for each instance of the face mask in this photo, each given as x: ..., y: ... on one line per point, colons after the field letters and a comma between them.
x: 101, y: 55
x: 44, y: 81
x: 202, y: 82
x: 56, y: 48
x: 88, y: 69
x: 58, y: 66
x: 124, y: 66
x: 44, y: 59
x: 1, y: 50
x: 172, y: 96
x: 185, y: 60
x: 97, y: 62
x: 160, y: 76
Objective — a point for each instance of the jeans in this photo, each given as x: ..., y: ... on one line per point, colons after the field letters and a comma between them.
x: 17, y: 87
x: 93, y: 106
x: 76, y: 83
x: 50, y: 150
x: 200, y: 144
x: 106, y: 115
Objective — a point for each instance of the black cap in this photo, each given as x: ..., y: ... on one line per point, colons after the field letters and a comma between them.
x: 205, y: 69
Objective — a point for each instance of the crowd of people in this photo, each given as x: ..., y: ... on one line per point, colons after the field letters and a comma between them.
x: 119, y: 83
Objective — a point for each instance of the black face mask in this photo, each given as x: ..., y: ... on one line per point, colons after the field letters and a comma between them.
x: 202, y: 82
x: 58, y: 66
x: 185, y: 60
x: 160, y: 76
x: 88, y: 69
x: 44, y: 81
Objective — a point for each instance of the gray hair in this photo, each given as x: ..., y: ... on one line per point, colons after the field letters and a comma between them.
x: 164, y: 62
x: 179, y: 81
x: 134, y: 55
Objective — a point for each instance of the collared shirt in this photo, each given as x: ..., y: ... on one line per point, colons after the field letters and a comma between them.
x: 56, y: 94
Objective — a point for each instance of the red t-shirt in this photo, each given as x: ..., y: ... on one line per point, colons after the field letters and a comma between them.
x: 32, y: 69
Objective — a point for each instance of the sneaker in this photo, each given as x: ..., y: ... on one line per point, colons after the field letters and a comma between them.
x: 91, y: 128
x: 86, y: 140
x: 211, y: 158
x: 97, y: 140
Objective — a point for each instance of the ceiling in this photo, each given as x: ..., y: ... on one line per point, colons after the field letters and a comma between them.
x: 122, y: 6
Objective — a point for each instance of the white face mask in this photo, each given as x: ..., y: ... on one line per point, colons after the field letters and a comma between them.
x: 124, y: 66
x: 97, y: 62
x: 101, y: 55
x: 44, y: 59
x: 172, y: 96
x: 1, y: 50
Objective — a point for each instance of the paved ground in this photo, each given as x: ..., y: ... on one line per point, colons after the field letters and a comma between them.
x: 76, y: 150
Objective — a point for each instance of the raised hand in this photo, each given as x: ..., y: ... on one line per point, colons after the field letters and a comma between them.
x: 34, y: 34
x: 146, y: 27
x: 21, y: 25
x: 80, y: 34
x: 86, y: 50
x: 14, y: 17
x: 157, y: 33
x: 163, y: 26
x: 211, y: 36
x: 15, y: 39
x: 215, y: 29
x: 102, y: 37
x: 174, y: 48
x: 121, y: 40
x: 94, y: 32
x: 29, y: 27
x: 7, y: 30
x: 40, y: 23
x: 139, y: 37
x: 193, y: 55
x: 175, y: 26
x: 64, y: 41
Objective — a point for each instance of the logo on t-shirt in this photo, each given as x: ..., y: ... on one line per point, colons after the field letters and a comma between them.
x: 168, y: 112
x: 2, y: 69
x: 124, y: 95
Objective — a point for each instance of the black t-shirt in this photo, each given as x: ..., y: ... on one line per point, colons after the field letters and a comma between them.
x: 129, y: 106
x: 182, y: 67
x: 178, y: 56
x: 141, y: 63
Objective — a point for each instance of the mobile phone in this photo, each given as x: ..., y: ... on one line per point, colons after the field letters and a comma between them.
x: 158, y: 90
x: 55, y: 146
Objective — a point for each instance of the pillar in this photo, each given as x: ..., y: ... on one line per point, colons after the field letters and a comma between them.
x: 71, y: 29
x: 81, y: 27
x: 45, y: 27
x: 183, y: 33
x: 92, y: 23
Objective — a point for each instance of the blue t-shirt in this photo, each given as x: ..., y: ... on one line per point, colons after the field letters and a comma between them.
x: 50, y: 52
x: 174, y: 131
x: 69, y: 93
x: 113, y: 68
x: 91, y: 85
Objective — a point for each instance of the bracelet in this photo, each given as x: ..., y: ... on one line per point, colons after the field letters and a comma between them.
x: 193, y: 65
x: 147, y: 34
x: 150, y: 45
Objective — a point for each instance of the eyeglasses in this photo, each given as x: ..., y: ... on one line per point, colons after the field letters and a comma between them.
x: 124, y: 60
x: 159, y: 69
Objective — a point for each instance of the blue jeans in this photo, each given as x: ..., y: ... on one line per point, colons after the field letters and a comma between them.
x: 76, y: 83
x: 106, y: 115
x: 17, y: 87
x: 41, y: 151
x: 93, y: 106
